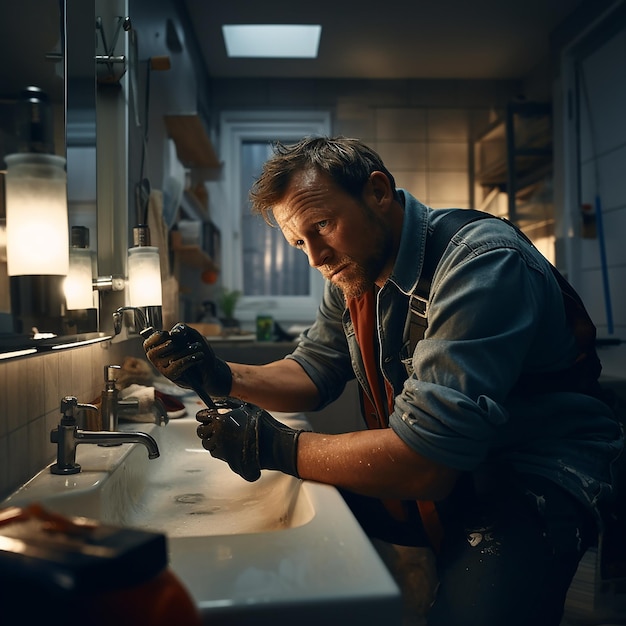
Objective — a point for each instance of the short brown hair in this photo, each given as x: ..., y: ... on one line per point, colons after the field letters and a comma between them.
x: 348, y: 162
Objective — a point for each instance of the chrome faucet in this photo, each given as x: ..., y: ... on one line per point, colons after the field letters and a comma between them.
x: 109, y: 398
x: 145, y: 319
x: 67, y: 436
x: 112, y: 407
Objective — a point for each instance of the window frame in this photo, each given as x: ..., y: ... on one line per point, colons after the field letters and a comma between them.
x: 237, y: 127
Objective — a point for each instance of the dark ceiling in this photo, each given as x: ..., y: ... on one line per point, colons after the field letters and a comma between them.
x: 441, y: 39
x: 466, y: 39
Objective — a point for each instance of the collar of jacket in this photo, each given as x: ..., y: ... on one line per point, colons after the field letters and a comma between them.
x: 410, y: 259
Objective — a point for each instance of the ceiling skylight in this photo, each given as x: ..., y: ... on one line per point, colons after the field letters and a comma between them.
x: 277, y: 41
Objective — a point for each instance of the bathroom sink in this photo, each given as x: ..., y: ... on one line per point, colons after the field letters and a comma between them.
x: 247, y: 552
x: 188, y: 493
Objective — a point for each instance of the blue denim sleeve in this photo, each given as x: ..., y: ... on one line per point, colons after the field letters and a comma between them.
x: 493, y: 314
x: 322, y: 350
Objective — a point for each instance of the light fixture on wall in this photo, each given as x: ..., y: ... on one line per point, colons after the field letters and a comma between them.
x: 36, y: 194
x: 82, y: 290
x: 36, y: 208
x: 144, y: 277
x: 37, y: 241
x: 78, y: 287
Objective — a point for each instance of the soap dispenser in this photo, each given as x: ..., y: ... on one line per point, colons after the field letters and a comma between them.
x: 109, y: 398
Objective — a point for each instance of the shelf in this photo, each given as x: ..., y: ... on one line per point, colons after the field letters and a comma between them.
x: 191, y: 255
x: 193, y: 146
x: 516, y: 148
x: 492, y: 174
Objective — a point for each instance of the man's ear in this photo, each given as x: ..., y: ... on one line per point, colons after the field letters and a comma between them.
x: 381, y: 188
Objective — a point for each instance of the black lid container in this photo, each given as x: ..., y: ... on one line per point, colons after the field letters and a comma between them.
x: 58, y: 570
x: 34, y: 122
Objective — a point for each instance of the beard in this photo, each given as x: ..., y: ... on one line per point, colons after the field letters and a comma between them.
x: 354, y: 280
x: 358, y: 275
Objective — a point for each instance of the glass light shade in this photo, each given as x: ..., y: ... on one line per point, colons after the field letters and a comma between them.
x: 78, y: 285
x: 144, y: 277
x: 36, y: 215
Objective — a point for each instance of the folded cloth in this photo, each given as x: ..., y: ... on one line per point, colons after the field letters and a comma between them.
x: 144, y: 395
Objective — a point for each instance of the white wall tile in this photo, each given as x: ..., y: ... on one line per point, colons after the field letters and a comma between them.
x: 448, y: 187
x: 98, y: 356
x: 362, y: 129
x: 448, y: 156
x: 615, y: 239
x: 51, y: 421
x: 18, y: 456
x: 398, y: 155
x: 355, y: 119
x: 413, y: 181
x: 34, y: 389
x: 612, y: 175
x: 594, y: 297
x: 15, y: 401
x: 448, y: 124
x: 587, y: 182
x: 603, y: 145
x: 37, y: 448
x: 66, y: 373
x: 52, y: 395
x: 401, y: 124
x: 604, y: 76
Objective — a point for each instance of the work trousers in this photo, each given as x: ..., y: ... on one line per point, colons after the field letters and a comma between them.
x: 507, y: 558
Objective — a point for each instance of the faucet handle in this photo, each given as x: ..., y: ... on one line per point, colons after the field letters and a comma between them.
x: 111, y: 374
x: 70, y: 406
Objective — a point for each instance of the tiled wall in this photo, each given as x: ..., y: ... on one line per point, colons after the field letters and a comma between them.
x: 602, y: 158
x: 31, y: 389
x: 427, y: 151
x: 421, y: 128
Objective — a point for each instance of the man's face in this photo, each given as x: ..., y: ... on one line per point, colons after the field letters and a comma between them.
x: 346, y: 239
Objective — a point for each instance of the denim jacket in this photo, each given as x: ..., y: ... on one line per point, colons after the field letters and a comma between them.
x: 495, y: 312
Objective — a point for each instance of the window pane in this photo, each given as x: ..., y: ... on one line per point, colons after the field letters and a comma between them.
x: 271, y: 267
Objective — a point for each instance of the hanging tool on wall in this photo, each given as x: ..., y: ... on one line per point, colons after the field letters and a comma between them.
x: 110, y: 67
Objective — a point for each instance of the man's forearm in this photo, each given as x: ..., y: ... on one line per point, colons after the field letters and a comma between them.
x: 278, y: 386
x: 374, y: 463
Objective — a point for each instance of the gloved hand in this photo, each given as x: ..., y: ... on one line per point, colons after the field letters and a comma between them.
x: 185, y: 357
x: 248, y: 438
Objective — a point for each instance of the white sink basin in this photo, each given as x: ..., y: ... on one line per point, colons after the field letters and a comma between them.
x: 278, y: 548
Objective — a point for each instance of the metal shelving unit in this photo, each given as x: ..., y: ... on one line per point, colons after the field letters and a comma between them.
x: 513, y: 156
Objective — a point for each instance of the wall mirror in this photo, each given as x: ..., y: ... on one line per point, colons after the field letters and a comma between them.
x: 58, y: 57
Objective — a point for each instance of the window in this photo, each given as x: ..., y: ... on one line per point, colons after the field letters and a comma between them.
x: 274, y: 277
x: 270, y: 265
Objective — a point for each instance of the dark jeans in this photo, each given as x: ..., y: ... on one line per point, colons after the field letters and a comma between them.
x: 507, y: 559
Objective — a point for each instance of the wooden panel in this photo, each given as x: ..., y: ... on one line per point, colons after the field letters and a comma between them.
x: 193, y: 146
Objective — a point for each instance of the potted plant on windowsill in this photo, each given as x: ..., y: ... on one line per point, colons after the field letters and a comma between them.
x: 228, y: 303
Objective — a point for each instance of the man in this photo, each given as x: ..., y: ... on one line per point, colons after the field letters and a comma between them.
x: 520, y: 473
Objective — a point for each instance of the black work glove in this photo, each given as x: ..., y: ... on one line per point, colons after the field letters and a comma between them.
x: 248, y: 438
x: 185, y: 357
